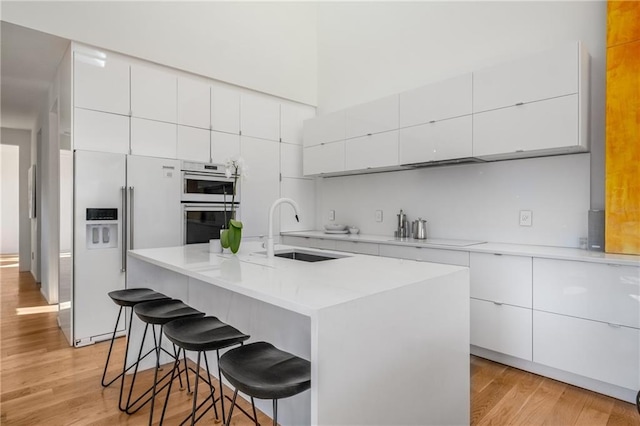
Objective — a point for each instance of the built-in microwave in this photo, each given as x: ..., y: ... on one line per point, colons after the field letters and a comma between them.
x: 207, y: 183
x: 204, y: 221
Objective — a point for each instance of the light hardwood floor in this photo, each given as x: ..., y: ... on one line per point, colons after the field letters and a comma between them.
x: 45, y: 382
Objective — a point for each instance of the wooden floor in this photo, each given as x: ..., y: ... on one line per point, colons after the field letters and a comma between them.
x: 45, y: 382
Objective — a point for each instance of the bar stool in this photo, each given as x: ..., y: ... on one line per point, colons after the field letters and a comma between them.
x: 159, y: 313
x: 200, y: 335
x: 127, y: 298
x: 263, y: 371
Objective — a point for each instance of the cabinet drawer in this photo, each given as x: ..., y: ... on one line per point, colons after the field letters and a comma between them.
x: 376, y: 116
x: 378, y: 150
x: 597, y: 291
x: 449, y: 257
x: 357, y: 247
x: 501, y: 278
x: 323, y: 129
x: 325, y: 158
x: 550, y: 125
x: 588, y: 348
x: 438, y: 101
x: 441, y: 140
x: 100, y: 131
x: 309, y: 242
x: 544, y: 75
x: 501, y: 328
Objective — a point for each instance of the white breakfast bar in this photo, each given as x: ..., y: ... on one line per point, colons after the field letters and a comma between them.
x: 388, y: 339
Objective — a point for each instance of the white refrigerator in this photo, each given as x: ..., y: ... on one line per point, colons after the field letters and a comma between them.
x: 121, y: 202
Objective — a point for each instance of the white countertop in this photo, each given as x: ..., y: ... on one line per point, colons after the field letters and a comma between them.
x: 298, y: 286
x: 563, y: 253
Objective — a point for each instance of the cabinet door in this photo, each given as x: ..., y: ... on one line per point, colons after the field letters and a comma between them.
x: 262, y: 187
x: 156, y: 219
x: 540, y: 76
x: 194, y: 103
x: 153, y: 94
x: 101, y: 82
x: 153, y: 138
x: 194, y: 144
x: 303, y: 191
x: 437, y: 141
x: 100, y: 131
x: 358, y: 247
x: 368, y: 152
x: 259, y: 117
x: 377, y: 116
x: 547, y: 126
x: 608, y: 293
x: 588, y: 348
x: 291, y: 118
x: 501, y: 278
x: 323, y: 129
x: 449, y: 257
x: 325, y: 158
x: 501, y: 328
x: 224, y: 146
x: 225, y: 110
x: 291, y: 160
x: 438, y: 101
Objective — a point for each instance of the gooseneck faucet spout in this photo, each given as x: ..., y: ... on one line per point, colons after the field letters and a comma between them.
x: 270, y: 249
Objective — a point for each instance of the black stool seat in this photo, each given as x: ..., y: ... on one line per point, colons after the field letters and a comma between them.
x: 162, y: 311
x: 202, y: 334
x: 263, y: 371
x: 133, y: 296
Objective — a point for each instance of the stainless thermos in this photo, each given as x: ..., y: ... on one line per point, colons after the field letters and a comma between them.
x: 419, y: 228
x: 403, y: 226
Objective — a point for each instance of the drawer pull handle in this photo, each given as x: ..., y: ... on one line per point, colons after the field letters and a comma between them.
x: 614, y: 265
x: 497, y: 254
x: 432, y: 121
x: 520, y: 103
x: 497, y: 303
x: 610, y: 324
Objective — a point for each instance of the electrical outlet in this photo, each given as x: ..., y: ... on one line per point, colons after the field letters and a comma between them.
x: 378, y: 215
x: 525, y: 217
x: 332, y: 215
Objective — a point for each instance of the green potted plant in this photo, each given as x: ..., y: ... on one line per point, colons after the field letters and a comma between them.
x: 231, y: 236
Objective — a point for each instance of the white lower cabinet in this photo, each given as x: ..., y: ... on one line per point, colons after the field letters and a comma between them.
x: 309, y: 242
x: 501, y: 328
x: 358, y: 247
x: 591, y: 349
x: 323, y: 158
x: 194, y: 144
x: 153, y: 138
x: 372, y: 151
x: 501, y: 278
x: 450, y: 257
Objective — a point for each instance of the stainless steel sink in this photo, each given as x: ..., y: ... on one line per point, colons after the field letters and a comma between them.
x: 306, y: 256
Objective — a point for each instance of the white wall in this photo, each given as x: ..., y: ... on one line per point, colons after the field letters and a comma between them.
x: 9, y: 183
x: 265, y: 46
x: 367, y: 50
x: 22, y: 139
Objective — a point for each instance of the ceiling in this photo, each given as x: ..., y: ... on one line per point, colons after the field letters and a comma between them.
x: 28, y: 65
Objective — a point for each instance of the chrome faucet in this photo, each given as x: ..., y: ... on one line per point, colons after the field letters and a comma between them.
x: 270, y: 249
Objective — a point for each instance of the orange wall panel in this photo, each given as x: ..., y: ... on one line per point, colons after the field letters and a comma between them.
x: 623, y: 22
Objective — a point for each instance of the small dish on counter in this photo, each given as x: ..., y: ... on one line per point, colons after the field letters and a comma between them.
x: 343, y: 231
x: 353, y: 230
x: 336, y: 227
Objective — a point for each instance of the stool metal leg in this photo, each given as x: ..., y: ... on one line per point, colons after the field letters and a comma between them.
x: 233, y: 404
x: 176, y: 365
x: 213, y: 399
x: 195, y: 392
x: 155, y: 375
x: 220, y: 383
x: 135, y: 371
x: 275, y: 412
x: 113, y: 338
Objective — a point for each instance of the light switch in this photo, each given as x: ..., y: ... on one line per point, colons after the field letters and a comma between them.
x: 332, y: 215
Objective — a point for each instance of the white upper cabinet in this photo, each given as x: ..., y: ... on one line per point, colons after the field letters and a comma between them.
x: 153, y: 93
x: 437, y: 141
x: 291, y: 118
x: 259, y: 117
x: 100, y: 131
x: 194, y: 144
x: 373, y: 151
x: 372, y: 117
x: 153, y: 138
x: 225, y: 110
x: 535, y: 127
x: 194, y: 103
x: 544, y: 75
x: 323, y: 158
x: 438, y: 101
x: 324, y: 129
x: 101, y: 81
x: 224, y: 146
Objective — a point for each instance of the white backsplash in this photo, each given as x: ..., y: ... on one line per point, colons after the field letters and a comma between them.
x: 469, y: 201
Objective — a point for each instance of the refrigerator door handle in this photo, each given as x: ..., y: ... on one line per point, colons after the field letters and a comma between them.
x: 131, y: 210
x: 123, y: 243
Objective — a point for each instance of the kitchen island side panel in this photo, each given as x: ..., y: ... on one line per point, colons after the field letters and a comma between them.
x: 402, y: 357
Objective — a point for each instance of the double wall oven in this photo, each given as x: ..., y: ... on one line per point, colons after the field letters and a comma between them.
x: 206, y: 201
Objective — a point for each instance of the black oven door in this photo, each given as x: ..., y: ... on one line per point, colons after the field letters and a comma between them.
x: 203, y: 222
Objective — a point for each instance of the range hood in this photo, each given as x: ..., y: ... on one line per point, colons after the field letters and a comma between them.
x: 465, y: 160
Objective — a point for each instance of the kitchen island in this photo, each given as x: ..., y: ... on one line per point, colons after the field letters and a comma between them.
x: 388, y: 339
